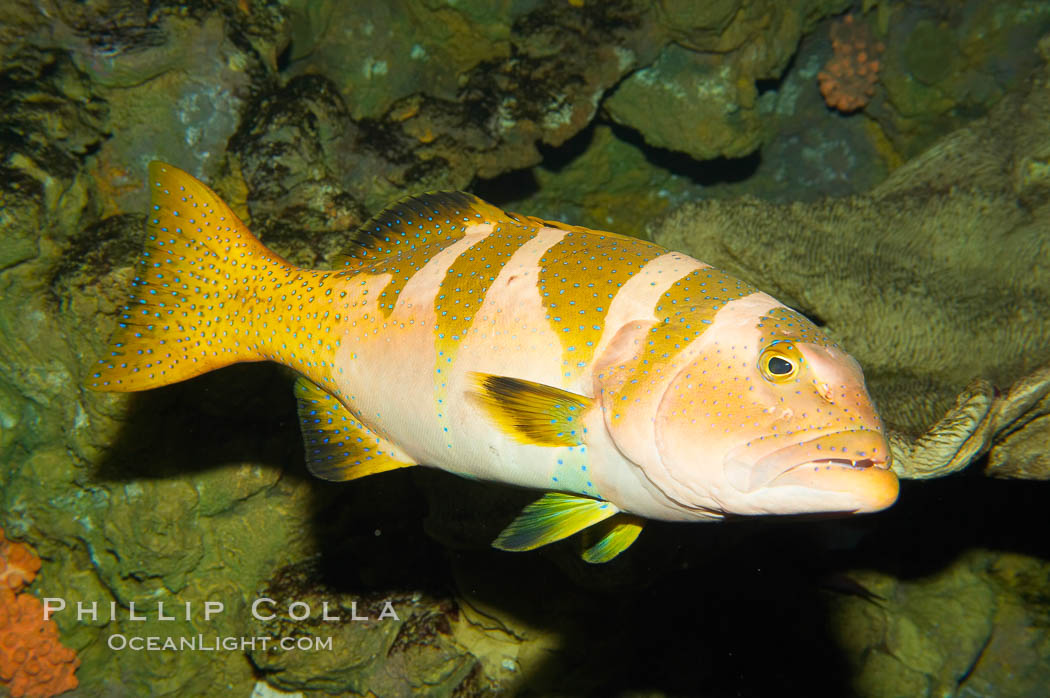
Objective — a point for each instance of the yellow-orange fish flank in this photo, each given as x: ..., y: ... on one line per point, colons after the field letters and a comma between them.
x: 626, y: 380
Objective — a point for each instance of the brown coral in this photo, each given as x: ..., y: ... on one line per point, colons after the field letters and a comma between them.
x: 33, y: 663
x: 848, y: 79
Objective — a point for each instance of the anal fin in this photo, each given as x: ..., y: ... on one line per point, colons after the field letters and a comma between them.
x: 532, y: 413
x: 554, y: 516
x: 338, y: 445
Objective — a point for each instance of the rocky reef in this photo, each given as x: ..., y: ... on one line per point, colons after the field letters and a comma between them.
x: 930, y: 266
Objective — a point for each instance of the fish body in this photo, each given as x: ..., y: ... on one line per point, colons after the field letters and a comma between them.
x: 626, y: 380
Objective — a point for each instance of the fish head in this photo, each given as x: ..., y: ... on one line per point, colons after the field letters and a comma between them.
x: 768, y: 416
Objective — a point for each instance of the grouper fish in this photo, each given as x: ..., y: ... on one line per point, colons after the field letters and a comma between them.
x: 627, y: 381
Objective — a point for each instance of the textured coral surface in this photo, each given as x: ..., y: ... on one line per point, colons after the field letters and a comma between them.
x: 18, y: 564
x: 33, y: 661
x: 848, y: 80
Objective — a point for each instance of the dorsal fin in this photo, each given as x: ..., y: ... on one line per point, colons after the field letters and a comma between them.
x: 338, y: 445
x: 433, y: 217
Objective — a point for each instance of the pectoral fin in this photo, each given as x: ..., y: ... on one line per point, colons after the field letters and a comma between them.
x: 616, y: 535
x: 551, y: 518
x: 532, y: 413
x: 338, y: 445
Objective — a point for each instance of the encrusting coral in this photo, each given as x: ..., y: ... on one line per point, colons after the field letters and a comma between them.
x: 18, y: 564
x: 848, y: 79
x: 33, y: 663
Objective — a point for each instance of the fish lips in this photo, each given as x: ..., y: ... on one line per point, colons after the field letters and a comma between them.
x: 853, y: 462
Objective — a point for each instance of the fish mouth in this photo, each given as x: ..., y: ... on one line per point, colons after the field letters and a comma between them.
x: 828, y: 463
x: 870, y: 483
x: 856, y: 451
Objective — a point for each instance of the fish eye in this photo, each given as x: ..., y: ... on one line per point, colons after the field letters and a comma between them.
x: 779, y: 364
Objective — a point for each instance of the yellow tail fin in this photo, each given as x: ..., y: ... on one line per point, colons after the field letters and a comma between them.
x: 193, y: 306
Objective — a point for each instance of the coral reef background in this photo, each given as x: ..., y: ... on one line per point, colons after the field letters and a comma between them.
x: 311, y: 116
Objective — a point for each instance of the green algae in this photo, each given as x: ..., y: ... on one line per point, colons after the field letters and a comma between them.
x: 930, y: 53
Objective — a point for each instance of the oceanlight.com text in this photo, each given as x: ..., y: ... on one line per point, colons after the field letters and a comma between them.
x: 216, y: 643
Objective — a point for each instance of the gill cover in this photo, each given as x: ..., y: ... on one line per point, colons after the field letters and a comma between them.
x: 627, y: 395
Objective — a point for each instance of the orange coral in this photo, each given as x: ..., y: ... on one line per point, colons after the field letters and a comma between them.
x: 848, y: 80
x: 18, y: 564
x: 33, y: 662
